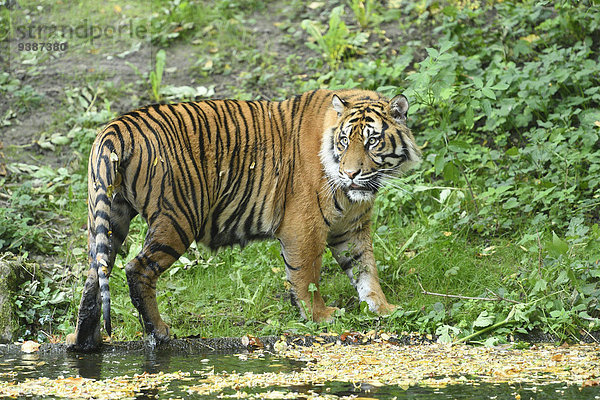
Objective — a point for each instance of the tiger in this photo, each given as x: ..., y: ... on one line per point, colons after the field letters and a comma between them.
x: 304, y: 170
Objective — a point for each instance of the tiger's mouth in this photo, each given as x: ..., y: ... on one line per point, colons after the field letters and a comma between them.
x: 360, y: 187
x: 358, y: 192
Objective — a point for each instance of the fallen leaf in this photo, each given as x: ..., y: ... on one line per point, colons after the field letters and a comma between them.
x: 590, y: 383
x: 30, y: 346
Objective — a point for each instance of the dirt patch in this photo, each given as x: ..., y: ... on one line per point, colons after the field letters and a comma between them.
x: 48, y: 76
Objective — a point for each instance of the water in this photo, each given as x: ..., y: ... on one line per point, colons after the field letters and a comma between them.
x: 17, y: 367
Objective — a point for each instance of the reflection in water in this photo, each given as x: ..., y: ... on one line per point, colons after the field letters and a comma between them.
x: 85, y: 365
x: 105, y: 365
x: 156, y: 361
x: 110, y: 364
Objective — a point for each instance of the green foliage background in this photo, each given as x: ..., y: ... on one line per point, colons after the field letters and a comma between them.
x: 502, y: 214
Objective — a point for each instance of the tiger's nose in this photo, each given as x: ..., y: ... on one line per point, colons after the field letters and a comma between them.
x: 352, y: 174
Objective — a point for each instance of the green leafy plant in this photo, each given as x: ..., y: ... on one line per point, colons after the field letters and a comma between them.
x: 156, y: 75
x: 337, y: 42
x: 18, y: 231
x: 41, y: 303
x: 364, y: 12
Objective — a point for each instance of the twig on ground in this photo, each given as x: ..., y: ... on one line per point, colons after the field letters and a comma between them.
x: 456, y: 296
x: 503, y: 298
x: 590, y: 335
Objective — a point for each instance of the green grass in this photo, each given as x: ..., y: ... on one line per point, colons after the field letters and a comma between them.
x: 504, y: 204
x: 236, y: 291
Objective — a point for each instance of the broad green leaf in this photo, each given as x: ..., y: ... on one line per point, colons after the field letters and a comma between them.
x: 558, y: 246
x: 540, y: 286
x: 500, y: 86
x: 451, y: 172
x: 459, y: 145
x: 510, y: 203
x: 433, y: 53
x: 478, y: 82
x: 489, y: 93
x: 513, y: 151
x: 484, y: 319
x: 439, y: 163
x: 469, y: 118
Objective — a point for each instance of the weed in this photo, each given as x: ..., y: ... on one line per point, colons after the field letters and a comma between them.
x: 338, y: 42
x: 155, y: 76
x: 364, y: 12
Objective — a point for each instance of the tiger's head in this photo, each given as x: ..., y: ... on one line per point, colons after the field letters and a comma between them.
x: 369, y: 144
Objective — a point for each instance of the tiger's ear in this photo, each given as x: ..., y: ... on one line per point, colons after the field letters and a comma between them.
x: 338, y: 104
x: 399, y: 108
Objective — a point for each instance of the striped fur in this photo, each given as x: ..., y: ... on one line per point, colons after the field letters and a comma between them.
x: 225, y: 172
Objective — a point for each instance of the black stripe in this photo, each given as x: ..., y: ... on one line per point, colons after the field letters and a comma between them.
x: 163, y: 248
x: 336, y: 204
x: 335, y: 244
x: 321, y: 210
x: 349, y: 262
x: 288, y: 265
x: 102, y: 214
x: 102, y: 197
x: 102, y: 248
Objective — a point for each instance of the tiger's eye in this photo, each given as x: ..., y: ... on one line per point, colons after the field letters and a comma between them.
x: 373, y: 141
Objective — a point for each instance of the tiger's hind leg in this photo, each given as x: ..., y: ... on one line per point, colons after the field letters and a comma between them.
x: 164, y: 244
x: 87, y: 334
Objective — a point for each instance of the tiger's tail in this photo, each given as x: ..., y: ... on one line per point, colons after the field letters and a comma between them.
x: 103, y: 182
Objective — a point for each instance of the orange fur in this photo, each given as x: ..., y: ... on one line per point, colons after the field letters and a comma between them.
x: 224, y: 172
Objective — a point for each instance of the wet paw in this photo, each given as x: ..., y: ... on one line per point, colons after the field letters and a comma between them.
x: 75, y: 342
x: 161, y: 334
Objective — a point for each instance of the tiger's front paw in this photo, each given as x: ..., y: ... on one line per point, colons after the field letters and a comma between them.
x: 386, y: 309
x: 160, y: 334
x: 325, y: 314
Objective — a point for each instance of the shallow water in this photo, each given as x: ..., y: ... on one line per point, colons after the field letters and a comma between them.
x: 109, y: 364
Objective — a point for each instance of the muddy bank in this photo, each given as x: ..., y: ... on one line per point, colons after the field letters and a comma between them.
x: 198, y: 345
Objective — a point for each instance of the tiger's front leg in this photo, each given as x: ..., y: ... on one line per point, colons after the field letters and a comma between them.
x: 354, y: 254
x: 303, y: 268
